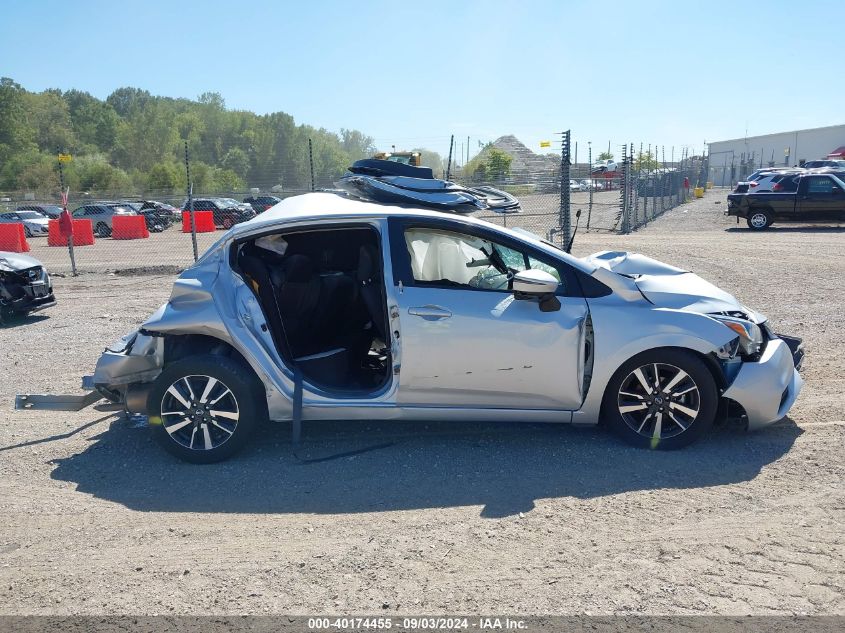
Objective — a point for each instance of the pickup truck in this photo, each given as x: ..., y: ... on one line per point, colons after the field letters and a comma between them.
x: 809, y: 198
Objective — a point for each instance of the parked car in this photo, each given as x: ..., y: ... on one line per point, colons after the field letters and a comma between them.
x: 227, y: 212
x: 262, y: 203
x: 162, y: 209
x: 602, y: 166
x: 34, y: 224
x: 329, y: 307
x: 763, y: 177
x: 836, y: 164
x: 51, y: 211
x: 807, y: 197
x: 575, y: 185
x: 156, y: 221
x: 101, y: 215
x: 772, y: 181
x: 25, y: 286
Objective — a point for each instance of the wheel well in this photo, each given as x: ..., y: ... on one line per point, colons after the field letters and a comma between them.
x: 182, y: 346
x: 709, y: 361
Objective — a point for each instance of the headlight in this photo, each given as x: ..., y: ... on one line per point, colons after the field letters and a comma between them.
x: 750, y: 334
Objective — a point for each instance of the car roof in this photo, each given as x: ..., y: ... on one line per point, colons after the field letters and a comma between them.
x: 331, y: 206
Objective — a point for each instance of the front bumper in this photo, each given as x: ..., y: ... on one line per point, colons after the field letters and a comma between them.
x: 767, y: 389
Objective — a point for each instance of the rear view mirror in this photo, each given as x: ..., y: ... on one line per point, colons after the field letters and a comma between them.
x: 537, y: 284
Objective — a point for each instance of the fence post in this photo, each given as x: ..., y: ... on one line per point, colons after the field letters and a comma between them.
x: 191, y: 203
x: 311, y: 162
x: 65, y: 195
x: 564, y: 213
x: 623, y: 192
x: 592, y: 183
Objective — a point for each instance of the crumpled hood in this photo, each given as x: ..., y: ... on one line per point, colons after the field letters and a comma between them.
x: 671, y: 287
x: 13, y: 262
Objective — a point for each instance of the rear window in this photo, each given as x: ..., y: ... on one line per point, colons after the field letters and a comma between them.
x: 787, y: 183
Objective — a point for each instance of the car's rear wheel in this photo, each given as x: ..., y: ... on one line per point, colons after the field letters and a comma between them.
x: 203, y: 409
x: 759, y: 220
x: 102, y: 229
x: 663, y: 399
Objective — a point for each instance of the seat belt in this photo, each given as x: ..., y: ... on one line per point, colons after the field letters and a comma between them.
x: 296, y: 414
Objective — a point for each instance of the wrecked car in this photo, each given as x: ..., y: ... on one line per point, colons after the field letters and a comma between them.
x: 327, y: 307
x: 25, y: 286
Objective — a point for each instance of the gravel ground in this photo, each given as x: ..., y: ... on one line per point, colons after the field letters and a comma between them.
x: 483, y: 518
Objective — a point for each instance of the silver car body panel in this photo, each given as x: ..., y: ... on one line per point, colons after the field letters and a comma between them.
x: 768, y: 388
x: 532, y: 371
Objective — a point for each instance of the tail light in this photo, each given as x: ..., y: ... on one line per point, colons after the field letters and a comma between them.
x: 753, y: 184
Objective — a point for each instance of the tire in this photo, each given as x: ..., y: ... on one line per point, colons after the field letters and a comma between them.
x: 687, y: 386
x: 759, y: 220
x: 27, y: 231
x: 204, y: 435
x: 102, y: 229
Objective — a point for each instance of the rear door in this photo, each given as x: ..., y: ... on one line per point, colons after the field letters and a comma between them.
x: 820, y: 200
x: 465, y: 340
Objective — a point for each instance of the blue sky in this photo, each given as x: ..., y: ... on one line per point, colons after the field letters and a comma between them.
x: 412, y: 73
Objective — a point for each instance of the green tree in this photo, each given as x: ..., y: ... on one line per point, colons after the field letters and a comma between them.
x: 605, y: 156
x: 236, y: 161
x: 498, y: 164
x: 16, y: 132
x: 167, y: 177
x: 646, y: 162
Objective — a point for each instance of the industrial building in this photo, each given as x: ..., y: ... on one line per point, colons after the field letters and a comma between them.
x: 734, y: 159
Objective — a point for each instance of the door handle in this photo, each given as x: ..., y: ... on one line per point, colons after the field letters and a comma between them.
x: 430, y: 312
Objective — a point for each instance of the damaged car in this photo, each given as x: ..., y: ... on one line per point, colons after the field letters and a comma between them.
x: 327, y: 307
x: 25, y: 286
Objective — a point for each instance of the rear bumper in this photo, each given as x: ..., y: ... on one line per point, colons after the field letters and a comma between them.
x: 767, y: 389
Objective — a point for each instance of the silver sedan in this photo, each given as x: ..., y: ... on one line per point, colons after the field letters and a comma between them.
x: 331, y: 308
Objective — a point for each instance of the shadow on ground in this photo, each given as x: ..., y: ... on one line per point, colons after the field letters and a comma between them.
x: 504, y: 467
x: 21, y: 320
x: 777, y: 228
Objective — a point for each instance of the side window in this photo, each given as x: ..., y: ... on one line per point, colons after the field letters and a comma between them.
x: 456, y: 260
x: 819, y: 184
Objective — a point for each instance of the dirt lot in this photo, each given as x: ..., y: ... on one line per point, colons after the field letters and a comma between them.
x: 447, y: 519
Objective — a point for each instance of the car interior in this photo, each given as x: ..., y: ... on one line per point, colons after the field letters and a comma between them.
x: 322, y: 292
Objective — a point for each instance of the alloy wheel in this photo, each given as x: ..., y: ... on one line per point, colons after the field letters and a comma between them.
x: 759, y: 220
x: 659, y: 401
x: 199, y: 412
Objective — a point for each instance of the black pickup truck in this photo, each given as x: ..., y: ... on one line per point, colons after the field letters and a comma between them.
x: 808, y: 198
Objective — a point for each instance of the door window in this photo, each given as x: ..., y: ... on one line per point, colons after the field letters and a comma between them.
x: 455, y: 260
x: 819, y: 184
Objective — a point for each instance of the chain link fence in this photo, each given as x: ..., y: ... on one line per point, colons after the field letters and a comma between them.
x: 619, y: 197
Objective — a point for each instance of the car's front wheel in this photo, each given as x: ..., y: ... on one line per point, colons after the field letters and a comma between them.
x: 102, y: 229
x: 203, y: 409
x: 662, y: 399
x: 759, y: 220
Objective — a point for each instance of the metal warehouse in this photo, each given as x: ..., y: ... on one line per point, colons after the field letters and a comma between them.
x: 733, y: 159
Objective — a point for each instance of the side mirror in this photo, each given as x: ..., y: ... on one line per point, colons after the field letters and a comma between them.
x: 835, y: 190
x: 537, y: 284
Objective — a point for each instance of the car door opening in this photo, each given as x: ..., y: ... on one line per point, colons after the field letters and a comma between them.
x: 322, y: 293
